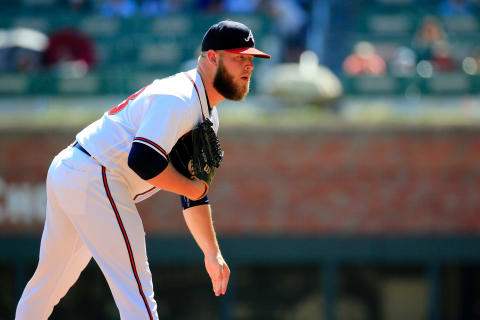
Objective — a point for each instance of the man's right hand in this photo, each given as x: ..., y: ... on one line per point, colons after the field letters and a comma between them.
x: 219, y: 273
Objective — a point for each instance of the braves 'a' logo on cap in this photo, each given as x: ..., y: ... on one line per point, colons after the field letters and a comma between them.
x: 250, y: 36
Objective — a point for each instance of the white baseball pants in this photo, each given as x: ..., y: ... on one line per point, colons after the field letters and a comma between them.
x: 89, y: 213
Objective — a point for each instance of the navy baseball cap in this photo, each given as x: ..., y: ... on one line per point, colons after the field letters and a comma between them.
x: 232, y: 37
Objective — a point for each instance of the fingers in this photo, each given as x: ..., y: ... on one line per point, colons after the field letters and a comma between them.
x: 225, y: 278
x: 220, y: 279
x: 217, y: 286
x: 217, y: 281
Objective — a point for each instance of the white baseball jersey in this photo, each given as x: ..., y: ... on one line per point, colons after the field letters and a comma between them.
x: 157, y: 115
x: 90, y: 199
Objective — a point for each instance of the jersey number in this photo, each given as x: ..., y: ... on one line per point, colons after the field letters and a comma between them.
x: 122, y: 105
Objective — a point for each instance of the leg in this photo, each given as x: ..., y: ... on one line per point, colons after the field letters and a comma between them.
x: 88, y: 210
x: 63, y: 256
x: 116, y: 238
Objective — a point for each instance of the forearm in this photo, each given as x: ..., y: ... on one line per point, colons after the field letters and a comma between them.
x: 171, y: 180
x: 199, y: 222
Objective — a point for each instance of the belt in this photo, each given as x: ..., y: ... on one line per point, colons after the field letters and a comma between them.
x: 79, y: 147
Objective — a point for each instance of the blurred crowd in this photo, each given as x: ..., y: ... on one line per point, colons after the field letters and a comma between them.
x: 69, y: 47
x: 430, y: 50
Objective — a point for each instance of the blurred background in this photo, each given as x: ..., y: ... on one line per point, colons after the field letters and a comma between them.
x: 350, y: 184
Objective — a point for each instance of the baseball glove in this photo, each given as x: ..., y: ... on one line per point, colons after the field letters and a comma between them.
x: 197, y: 154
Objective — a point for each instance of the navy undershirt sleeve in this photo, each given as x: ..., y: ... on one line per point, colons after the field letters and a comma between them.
x: 145, y: 161
x: 187, y: 203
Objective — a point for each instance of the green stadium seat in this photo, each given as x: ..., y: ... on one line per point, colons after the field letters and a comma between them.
x: 42, y: 83
x: 90, y: 84
x: 116, y: 50
x: 448, y: 83
x: 37, y: 23
x: 114, y: 78
x: 372, y: 85
x: 104, y: 53
x: 178, y: 26
x: 5, y: 20
x: 97, y: 26
x: 255, y: 22
x: 142, y: 79
x: 159, y: 54
x: 475, y: 83
x: 390, y: 23
x: 27, y: 3
x: 13, y: 83
x: 461, y: 24
x: 395, y: 2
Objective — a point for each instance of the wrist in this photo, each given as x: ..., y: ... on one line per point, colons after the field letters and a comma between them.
x: 212, y: 252
x: 201, y: 190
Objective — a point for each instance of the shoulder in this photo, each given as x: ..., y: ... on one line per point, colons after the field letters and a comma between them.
x: 164, y: 93
x: 176, y: 85
x: 175, y: 94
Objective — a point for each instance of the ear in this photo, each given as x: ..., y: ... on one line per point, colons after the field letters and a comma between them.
x: 212, y: 57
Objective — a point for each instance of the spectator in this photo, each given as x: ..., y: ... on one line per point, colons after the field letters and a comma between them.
x: 403, y: 62
x: 450, y: 8
x: 21, y: 49
x: 364, y: 61
x: 68, y: 45
x: 442, y: 59
x: 429, y: 32
x: 154, y: 8
x: 158, y: 8
x: 213, y: 6
x: 77, y: 6
x: 119, y: 8
x: 291, y: 21
x: 240, y: 6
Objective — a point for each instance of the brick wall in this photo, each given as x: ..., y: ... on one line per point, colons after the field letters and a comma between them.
x: 315, y: 181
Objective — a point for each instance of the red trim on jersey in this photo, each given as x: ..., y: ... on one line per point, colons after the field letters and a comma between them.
x: 186, y: 134
x: 153, y: 144
x: 141, y: 194
x: 125, y: 238
x: 198, y: 94
x: 122, y: 105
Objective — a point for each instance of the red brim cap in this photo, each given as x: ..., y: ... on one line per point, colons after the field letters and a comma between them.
x: 249, y: 50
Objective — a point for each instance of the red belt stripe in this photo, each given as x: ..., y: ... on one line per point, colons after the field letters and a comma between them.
x: 127, y: 242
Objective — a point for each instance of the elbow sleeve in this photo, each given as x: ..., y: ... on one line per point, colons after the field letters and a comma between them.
x: 187, y: 203
x: 145, y: 161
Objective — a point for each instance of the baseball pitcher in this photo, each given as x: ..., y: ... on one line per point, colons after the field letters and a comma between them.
x: 163, y: 137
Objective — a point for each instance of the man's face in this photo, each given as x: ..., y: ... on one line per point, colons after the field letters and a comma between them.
x: 232, y: 79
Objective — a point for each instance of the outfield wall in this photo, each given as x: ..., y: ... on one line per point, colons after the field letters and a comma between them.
x: 354, y: 181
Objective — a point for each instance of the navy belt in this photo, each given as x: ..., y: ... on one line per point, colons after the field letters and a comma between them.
x: 79, y: 147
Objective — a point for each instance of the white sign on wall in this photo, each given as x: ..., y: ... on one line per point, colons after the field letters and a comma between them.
x: 22, y: 203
